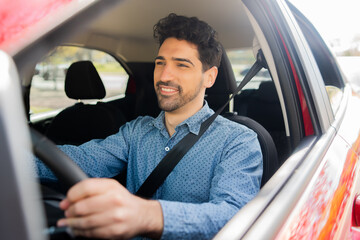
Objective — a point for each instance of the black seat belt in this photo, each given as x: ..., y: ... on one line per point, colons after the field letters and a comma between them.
x: 168, y: 163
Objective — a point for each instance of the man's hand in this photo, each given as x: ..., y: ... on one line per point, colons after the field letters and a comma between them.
x: 102, y: 208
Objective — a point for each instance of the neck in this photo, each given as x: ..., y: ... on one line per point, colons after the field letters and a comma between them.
x: 174, y: 118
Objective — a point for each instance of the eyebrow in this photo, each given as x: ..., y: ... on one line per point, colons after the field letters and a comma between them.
x: 183, y: 60
x: 176, y: 59
x: 159, y: 58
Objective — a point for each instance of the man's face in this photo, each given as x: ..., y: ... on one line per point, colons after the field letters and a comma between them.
x: 178, y: 75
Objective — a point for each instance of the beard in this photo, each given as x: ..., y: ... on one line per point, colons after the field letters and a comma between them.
x: 174, y: 102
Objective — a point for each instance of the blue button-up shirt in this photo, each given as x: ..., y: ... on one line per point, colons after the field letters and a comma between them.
x: 219, y: 174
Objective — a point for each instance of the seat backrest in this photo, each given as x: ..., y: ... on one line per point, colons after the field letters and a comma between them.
x: 225, y: 85
x: 145, y: 97
x: 82, y: 122
x: 270, y: 156
x: 263, y: 106
x: 266, y: 103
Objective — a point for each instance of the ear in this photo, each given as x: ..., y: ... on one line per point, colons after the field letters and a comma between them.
x: 210, y: 77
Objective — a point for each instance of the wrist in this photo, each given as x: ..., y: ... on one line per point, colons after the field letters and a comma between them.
x: 153, y: 220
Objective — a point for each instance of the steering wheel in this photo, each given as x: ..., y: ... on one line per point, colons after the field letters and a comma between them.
x: 60, y: 164
x: 67, y: 172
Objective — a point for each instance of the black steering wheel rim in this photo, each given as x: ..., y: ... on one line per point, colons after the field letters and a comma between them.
x: 58, y: 162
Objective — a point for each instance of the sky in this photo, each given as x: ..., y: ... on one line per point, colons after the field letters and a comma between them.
x: 334, y: 19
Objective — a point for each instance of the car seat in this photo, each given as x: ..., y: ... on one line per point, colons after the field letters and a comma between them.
x: 224, y: 85
x: 268, y: 149
x: 146, y: 103
x: 263, y: 106
x: 82, y: 122
x: 216, y: 96
x: 265, y: 103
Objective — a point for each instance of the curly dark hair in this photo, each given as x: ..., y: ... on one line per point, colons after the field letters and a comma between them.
x: 192, y: 30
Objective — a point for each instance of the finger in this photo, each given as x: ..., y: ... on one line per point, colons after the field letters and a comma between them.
x: 99, y: 220
x: 90, y: 187
x: 106, y: 232
x: 64, y: 204
x: 101, y: 233
x: 93, y: 204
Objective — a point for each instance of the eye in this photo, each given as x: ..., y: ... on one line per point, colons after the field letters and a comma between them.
x: 182, y: 65
x: 159, y: 63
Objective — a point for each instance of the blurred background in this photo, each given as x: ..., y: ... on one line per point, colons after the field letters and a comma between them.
x: 338, y: 21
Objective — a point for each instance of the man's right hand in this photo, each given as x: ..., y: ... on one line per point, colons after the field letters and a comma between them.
x: 103, y: 208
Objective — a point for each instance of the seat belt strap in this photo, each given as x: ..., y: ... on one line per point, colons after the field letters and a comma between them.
x: 168, y: 163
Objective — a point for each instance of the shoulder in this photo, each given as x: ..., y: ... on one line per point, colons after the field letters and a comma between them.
x: 140, y: 123
x: 227, y: 125
x: 232, y: 132
x: 141, y: 120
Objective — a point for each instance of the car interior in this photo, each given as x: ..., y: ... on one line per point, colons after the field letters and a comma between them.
x: 82, y: 122
x: 95, y: 116
x: 87, y: 69
x: 86, y: 72
x: 89, y: 112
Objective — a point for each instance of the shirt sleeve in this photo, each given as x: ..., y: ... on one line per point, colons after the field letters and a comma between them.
x: 236, y: 181
x: 97, y: 158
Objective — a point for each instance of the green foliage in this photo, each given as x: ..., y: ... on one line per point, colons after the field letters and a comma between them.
x: 111, y: 67
x: 40, y: 109
x: 62, y: 57
x: 243, y: 56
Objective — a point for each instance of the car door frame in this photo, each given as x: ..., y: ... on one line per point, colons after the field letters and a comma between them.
x: 262, y: 217
x: 21, y: 214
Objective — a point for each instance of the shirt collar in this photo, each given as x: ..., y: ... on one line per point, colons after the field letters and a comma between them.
x: 193, y: 123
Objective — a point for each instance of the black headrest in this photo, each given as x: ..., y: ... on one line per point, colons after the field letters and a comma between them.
x: 225, y: 81
x: 267, y: 92
x: 83, y: 82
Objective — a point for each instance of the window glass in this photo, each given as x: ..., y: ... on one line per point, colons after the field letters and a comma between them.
x: 47, y: 88
x: 241, y: 61
x: 325, y: 60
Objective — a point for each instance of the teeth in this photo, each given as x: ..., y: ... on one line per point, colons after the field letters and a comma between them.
x: 167, y: 90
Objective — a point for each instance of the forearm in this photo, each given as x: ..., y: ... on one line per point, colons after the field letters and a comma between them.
x: 43, y: 172
x: 76, y: 154
x: 91, y: 157
x: 195, y: 221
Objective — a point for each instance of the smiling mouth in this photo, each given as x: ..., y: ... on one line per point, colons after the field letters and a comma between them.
x: 167, y: 91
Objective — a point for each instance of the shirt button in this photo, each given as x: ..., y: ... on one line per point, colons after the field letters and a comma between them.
x: 167, y: 149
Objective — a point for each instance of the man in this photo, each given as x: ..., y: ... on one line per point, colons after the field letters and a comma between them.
x: 218, y: 176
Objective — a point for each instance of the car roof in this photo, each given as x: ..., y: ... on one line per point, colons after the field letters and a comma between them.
x: 124, y: 31
x: 129, y: 25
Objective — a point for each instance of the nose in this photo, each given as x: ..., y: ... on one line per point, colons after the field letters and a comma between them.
x: 165, y: 73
